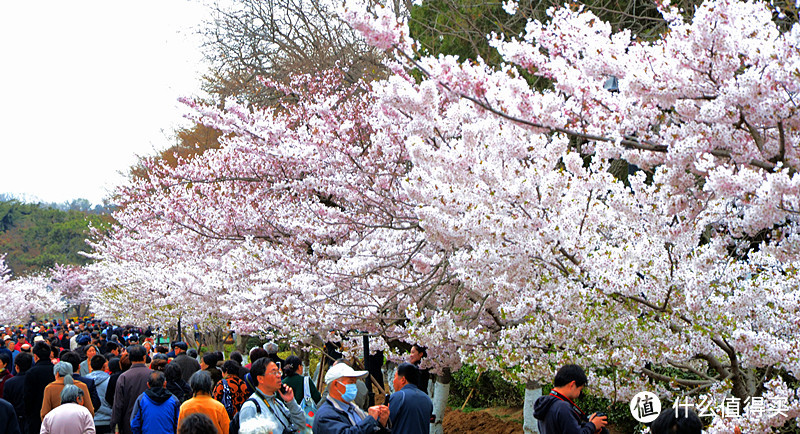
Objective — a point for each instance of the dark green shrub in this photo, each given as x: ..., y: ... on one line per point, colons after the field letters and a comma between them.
x: 489, y: 389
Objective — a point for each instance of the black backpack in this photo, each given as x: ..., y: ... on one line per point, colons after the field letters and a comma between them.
x: 227, y: 399
x: 233, y: 428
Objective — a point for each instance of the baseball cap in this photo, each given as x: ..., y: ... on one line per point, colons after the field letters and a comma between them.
x: 342, y: 370
x: 182, y: 345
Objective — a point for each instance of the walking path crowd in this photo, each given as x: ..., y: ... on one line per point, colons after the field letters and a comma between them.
x: 95, y: 377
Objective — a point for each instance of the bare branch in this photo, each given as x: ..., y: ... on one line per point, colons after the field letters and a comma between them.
x: 681, y: 381
x: 753, y: 132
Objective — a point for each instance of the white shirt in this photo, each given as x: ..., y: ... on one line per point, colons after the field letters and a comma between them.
x: 70, y: 418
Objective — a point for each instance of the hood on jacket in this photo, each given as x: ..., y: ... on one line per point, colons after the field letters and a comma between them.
x: 249, y: 381
x: 99, y: 377
x: 159, y: 395
x: 542, y: 406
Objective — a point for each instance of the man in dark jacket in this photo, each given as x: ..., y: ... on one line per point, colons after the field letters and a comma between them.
x: 338, y: 414
x: 37, y: 378
x: 156, y: 406
x: 557, y: 412
x: 15, y: 387
x: 8, y: 420
x: 74, y: 359
x: 188, y: 365
x: 130, y: 385
x: 410, y: 409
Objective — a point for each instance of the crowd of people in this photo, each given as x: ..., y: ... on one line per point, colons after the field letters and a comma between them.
x: 95, y: 377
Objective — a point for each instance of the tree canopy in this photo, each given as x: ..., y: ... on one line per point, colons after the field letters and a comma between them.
x: 35, y: 237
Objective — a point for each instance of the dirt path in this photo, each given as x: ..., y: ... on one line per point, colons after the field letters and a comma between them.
x: 498, y: 420
x: 491, y: 420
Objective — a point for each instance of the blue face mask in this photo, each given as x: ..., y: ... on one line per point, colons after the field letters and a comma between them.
x: 349, y: 394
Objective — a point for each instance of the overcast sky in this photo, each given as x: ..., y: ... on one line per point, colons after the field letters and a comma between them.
x: 85, y: 86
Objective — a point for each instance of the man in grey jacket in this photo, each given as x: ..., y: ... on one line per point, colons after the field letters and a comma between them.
x: 271, y: 403
x: 102, y: 415
x: 130, y: 385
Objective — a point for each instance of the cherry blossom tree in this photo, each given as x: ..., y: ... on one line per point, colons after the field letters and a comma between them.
x: 71, y: 282
x: 26, y: 296
x: 688, y: 263
x: 451, y: 204
x: 300, y: 212
x: 144, y: 274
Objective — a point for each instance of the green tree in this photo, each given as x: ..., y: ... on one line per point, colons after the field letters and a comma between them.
x: 36, y: 237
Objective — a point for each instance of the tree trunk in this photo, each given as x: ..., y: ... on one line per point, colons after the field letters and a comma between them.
x: 189, y: 339
x: 390, y: 368
x: 533, y: 390
x: 214, y: 339
x: 440, y: 395
x: 241, y: 346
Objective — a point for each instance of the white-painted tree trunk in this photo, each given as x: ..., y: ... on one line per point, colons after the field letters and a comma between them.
x: 440, y: 394
x: 533, y: 391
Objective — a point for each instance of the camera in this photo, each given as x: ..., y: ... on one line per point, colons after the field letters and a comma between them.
x: 603, y: 430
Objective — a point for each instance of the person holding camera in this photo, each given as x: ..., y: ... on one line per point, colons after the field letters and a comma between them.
x: 264, y: 407
x: 557, y: 412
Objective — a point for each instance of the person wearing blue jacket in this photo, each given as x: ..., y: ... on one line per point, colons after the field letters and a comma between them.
x: 410, y: 408
x: 338, y: 414
x: 557, y: 412
x: 156, y: 410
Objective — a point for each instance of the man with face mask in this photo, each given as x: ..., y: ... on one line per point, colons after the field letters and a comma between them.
x: 338, y: 414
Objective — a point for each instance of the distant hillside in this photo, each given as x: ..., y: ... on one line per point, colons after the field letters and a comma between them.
x: 82, y: 205
x: 37, y: 236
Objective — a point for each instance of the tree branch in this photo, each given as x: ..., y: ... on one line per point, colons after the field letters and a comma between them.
x: 714, y: 364
x: 681, y: 381
x: 753, y: 132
